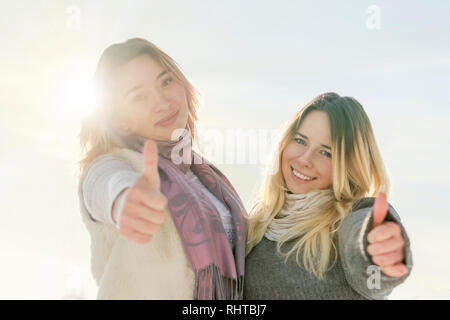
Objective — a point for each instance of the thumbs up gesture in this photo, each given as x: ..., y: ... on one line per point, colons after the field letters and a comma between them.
x: 386, y: 241
x: 143, y: 209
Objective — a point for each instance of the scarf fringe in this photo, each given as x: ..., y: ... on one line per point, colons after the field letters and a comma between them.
x: 210, y: 284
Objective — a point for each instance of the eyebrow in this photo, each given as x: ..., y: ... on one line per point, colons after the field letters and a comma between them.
x: 140, y: 85
x: 302, y: 135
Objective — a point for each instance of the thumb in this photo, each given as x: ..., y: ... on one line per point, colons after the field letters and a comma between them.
x: 380, y: 209
x: 151, y: 164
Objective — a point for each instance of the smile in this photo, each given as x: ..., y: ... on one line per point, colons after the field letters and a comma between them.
x: 168, y: 120
x: 301, y: 176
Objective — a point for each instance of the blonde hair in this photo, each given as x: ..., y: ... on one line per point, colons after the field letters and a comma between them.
x: 358, y: 171
x: 95, y: 139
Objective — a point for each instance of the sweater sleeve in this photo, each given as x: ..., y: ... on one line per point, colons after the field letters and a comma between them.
x: 361, y: 273
x: 104, y: 180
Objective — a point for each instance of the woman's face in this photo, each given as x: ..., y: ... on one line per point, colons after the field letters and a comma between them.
x: 152, y: 102
x: 306, y: 160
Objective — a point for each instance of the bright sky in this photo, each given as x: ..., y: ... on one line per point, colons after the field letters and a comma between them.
x: 255, y: 63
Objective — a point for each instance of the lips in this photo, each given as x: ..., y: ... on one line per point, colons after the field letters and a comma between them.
x: 168, y: 120
x: 297, y: 178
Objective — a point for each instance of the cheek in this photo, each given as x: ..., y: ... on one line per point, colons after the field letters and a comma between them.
x: 326, y: 173
x: 285, y: 158
x: 289, y: 153
x: 136, y: 118
x: 178, y: 93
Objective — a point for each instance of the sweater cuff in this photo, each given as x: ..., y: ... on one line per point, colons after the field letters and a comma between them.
x: 356, y: 261
x: 117, y: 211
x: 118, y: 182
x: 392, y: 216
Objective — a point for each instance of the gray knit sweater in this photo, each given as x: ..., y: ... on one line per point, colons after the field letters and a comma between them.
x: 353, y: 277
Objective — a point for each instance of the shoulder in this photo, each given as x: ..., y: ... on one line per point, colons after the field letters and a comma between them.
x: 368, y: 202
x: 107, y: 165
x: 362, y: 203
x: 115, y: 159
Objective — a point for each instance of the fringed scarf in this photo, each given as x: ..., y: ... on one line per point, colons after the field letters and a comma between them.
x: 219, y: 272
x: 297, y: 208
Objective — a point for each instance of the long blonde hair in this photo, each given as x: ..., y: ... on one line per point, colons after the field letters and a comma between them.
x: 358, y: 171
x: 95, y: 139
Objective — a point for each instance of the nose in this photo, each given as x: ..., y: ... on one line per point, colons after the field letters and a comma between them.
x: 162, y: 103
x: 305, y: 159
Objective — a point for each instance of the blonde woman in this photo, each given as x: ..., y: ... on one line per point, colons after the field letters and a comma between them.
x: 314, y: 231
x: 164, y: 222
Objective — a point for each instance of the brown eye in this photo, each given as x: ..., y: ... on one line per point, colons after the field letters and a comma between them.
x: 139, y: 97
x: 167, y: 81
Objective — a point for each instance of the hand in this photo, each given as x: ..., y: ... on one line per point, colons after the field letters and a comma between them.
x: 143, y: 210
x: 386, y: 241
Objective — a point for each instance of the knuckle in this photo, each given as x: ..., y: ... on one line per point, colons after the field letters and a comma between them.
x: 137, y: 237
x: 383, y: 261
x: 375, y: 260
x: 379, y: 260
x: 148, y: 228
x: 128, y: 204
x: 400, y: 243
x: 374, y: 237
x: 139, y: 193
x: 372, y: 249
x: 132, y: 191
x: 380, y: 247
x: 127, y: 221
x: 161, y: 217
x: 155, y: 195
x: 144, y: 238
x: 129, y: 207
x: 388, y: 271
x: 155, y: 229
x: 400, y: 255
x: 158, y: 200
x: 154, y: 217
x: 395, y: 227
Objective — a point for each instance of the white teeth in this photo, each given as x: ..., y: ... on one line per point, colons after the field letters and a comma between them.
x: 301, y: 176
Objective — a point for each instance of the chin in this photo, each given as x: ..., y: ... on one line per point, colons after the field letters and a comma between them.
x: 301, y: 190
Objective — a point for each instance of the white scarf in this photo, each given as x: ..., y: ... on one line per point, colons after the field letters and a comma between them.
x: 297, y: 207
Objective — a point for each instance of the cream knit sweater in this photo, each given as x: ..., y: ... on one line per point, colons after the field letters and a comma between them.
x: 124, y: 269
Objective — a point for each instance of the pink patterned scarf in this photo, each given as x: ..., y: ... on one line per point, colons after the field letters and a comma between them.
x: 219, y: 272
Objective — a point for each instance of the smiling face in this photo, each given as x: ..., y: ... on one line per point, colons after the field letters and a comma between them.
x: 306, y: 160
x: 151, y: 100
